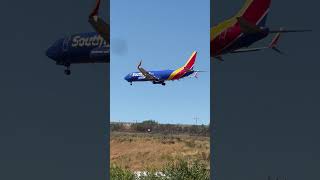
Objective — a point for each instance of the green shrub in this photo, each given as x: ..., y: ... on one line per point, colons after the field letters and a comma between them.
x: 117, y: 173
x: 180, y: 170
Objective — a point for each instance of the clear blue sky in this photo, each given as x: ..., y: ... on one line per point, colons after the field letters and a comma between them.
x: 163, y: 33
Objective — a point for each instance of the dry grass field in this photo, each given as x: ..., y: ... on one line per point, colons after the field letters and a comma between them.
x: 143, y: 151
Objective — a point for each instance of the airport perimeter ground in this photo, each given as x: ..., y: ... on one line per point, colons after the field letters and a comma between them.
x: 137, y: 151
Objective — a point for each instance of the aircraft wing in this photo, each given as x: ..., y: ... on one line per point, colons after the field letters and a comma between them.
x: 99, y: 24
x: 147, y: 74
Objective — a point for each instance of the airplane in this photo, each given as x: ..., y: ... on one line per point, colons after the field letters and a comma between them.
x: 87, y: 47
x: 159, y: 77
x: 248, y: 26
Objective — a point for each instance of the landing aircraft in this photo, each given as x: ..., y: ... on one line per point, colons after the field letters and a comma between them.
x: 239, y: 32
x: 88, y: 47
x: 159, y: 77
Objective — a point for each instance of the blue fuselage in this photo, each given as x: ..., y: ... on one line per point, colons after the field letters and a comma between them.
x: 79, y: 48
x: 162, y: 75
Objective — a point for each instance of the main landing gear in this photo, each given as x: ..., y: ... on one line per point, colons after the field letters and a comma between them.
x: 67, y: 71
x: 130, y: 83
x: 157, y: 82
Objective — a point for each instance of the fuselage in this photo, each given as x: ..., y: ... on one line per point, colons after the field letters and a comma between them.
x: 79, y: 48
x: 233, y: 39
x: 162, y: 75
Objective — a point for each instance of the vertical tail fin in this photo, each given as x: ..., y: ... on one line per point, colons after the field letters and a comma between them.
x: 190, y: 63
x: 255, y: 11
x: 178, y: 73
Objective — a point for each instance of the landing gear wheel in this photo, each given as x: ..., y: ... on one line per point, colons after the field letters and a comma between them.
x: 67, y: 71
x: 163, y: 84
x: 130, y: 83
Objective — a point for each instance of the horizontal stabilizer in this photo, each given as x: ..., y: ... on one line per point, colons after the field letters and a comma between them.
x: 200, y: 71
x: 195, y: 73
x: 289, y: 31
x: 274, y: 42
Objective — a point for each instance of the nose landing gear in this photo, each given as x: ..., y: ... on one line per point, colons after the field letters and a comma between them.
x: 67, y: 71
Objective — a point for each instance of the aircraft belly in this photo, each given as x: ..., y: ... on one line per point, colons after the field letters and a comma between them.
x: 84, y: 56
x: 163, y: 75
x: 245, y: 41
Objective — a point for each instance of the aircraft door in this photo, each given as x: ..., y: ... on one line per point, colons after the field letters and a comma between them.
x: 65, y: 44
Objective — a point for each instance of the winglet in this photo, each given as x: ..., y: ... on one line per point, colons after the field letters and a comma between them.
x: 95, y: 11
x: 139, y: 64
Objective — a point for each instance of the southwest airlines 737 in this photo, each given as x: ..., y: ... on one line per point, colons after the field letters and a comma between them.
x: 159, y: 77
x: 248, y: 26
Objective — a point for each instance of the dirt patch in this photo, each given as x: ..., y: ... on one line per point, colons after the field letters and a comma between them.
x: 141, y: 151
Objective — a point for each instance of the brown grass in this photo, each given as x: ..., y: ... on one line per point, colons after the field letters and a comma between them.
x: 141, y: 151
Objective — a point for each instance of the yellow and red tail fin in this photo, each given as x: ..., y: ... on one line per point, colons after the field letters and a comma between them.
x: 255, y: 11
x: 178, y: 73
x: 190, y: 63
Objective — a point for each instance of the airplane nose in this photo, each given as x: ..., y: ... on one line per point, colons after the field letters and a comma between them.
x: 54, y: 52
x: 127, y: 78
x: 51, y: 53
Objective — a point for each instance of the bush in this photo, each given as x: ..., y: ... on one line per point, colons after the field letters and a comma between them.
x: 149, y: 122
x: 117, y: 173
x: 180, y: 170
x: 187, y: 171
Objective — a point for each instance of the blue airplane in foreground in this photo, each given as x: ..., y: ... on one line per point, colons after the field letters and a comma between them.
x: 88, y: 47
x: 159, y: 77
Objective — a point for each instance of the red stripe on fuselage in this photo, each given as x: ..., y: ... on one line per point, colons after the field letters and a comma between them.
x: 179, y: 74
x: 225, y: 39
x: 256, y: 10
